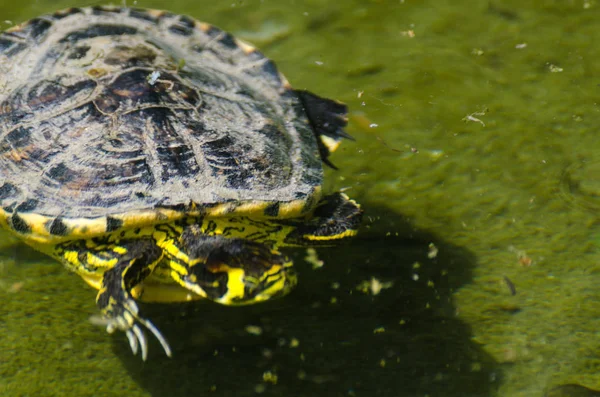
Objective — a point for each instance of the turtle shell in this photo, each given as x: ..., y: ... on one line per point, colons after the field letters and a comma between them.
x: 118, y: 117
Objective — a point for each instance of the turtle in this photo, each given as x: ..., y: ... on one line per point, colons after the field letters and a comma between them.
x: 162, y: 160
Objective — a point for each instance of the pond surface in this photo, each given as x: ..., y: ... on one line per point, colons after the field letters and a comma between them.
x: 477, y: 161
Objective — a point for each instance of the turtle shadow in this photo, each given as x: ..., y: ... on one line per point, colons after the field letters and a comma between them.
x: 376, y: 320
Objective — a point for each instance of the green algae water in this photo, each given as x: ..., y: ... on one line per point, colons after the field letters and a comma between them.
x: 477, y: 163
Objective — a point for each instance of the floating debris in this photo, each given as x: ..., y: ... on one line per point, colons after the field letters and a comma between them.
x: 373, y: 286
x: 435, y: 154
x: 380, y: 139
x: 254, y: 330
x: 554, y: 68
x: 432, y: 251
x: 269, y: 377
x: 471, y: 117
x: 152, y: 77
x: 312, y: 258
x: 510, y: 285
x: 522, y: 257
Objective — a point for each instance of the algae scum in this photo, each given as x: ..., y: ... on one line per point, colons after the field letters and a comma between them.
x: 476, y: 270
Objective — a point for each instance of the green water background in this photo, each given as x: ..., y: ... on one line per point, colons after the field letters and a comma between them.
x: 510, y: 192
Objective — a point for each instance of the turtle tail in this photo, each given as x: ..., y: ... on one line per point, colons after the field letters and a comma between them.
x: 327, y: 119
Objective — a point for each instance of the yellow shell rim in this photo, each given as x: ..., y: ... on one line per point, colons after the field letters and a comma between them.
x: 39, y: 225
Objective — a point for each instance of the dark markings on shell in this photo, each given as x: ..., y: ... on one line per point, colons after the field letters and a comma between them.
x: 143, y: 15
x: 57, y: 227
x: 213, y: 32
x: 61, y: 173
x: 106, y: 121
x: 272, y: 210
x: 16, y: 138
x: 19, y: 224
x: 175, y: 155
x: 102, y: 10
x: 67, y: 12
x: 224, y: 38
x: 270, y: 69
x: 50, y: 94
x: 79, y: 52
x: 128, y: 57
x: 182, y: 28
x: 10, y: 47
x: 228, y: 41
x: 186, y: 21
x: 36, y: 27
x: 8, y: 190
x: 224, y: 161
x: 28, y: 205
x: 5, y: 44
x: 96, y: 31
x: 113, y: 224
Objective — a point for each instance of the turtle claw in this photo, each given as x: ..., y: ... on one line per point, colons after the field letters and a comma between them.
x: 129, y: 322
x: 133, y: 342
x: 165, y: 345
x: 141, y: 337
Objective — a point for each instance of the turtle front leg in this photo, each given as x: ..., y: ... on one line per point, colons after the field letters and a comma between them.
x: 335, y: 217
x: 123, y: 266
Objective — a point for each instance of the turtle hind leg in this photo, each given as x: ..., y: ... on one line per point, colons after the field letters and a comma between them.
x: 336, y: 217
x: 124, y: 266
x: 327, y: 119
x: 232, y: 271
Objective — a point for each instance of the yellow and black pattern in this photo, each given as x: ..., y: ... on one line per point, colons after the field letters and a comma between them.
x: 162, y: 159
x: 231, y: 260
x: 43, y: 229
